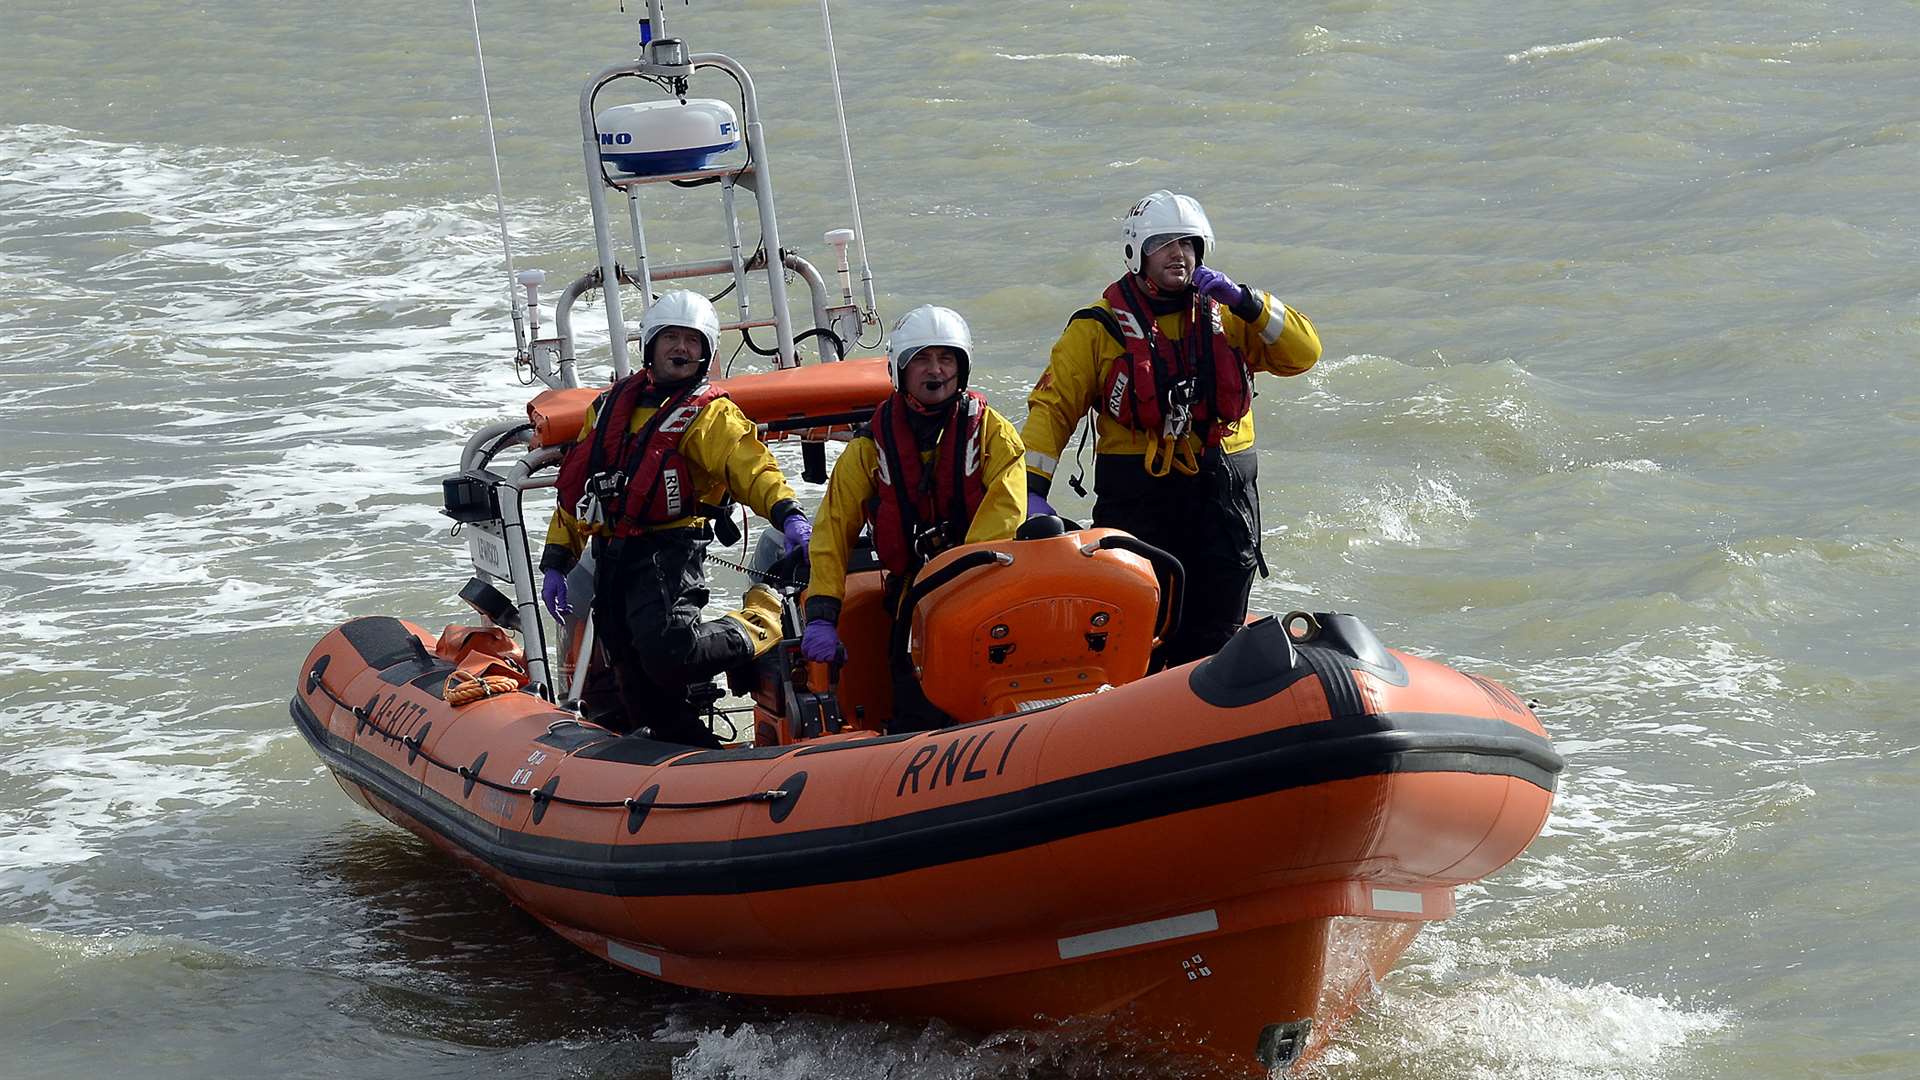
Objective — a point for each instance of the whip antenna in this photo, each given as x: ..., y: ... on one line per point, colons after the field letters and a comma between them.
x: 499, y: 197
x: 846, y: 157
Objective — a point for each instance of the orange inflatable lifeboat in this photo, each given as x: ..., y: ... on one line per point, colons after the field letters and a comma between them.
x: 1220, y: 856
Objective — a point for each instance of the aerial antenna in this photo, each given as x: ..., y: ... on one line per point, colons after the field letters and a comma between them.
x: 499, y: 198
x: 846, y: 157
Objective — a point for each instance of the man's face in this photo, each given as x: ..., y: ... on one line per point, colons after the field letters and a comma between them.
x: 933, y: 375
x: 677, y: 353
x: 1170, y: 266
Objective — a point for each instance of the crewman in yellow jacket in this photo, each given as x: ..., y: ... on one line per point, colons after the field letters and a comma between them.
x: 660, y: 458
x: 1165, y: 362
x: 936, y: 467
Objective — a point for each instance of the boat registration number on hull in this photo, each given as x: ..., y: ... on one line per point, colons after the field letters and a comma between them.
x: 488, y: 548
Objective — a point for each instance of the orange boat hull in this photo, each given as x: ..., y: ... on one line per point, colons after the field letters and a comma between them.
x: 1220, y: 856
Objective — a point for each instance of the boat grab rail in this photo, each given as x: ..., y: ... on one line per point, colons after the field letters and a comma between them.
x: 636, y: 806
x: 567, y: 377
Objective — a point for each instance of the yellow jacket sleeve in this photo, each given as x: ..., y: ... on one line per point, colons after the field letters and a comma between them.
x: 564, y: 531
x: 723, y: 444
x: 1064, y: 394
x: 1005, y: 505
x: 842, y: 514
x: 1281, y: 341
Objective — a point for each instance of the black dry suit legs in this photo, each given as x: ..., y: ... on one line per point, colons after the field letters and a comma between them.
x: 1209, y: 521
x: 648, y: 600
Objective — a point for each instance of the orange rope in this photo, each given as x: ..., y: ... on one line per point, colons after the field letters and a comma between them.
x: 464, y: 687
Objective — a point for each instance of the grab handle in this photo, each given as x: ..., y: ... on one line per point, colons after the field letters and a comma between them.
x: 1173, y: 595
x: 922, y: 587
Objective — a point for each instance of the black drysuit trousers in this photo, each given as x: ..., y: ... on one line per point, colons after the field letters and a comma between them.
x: 1209, y: 521
x: 650, y: 593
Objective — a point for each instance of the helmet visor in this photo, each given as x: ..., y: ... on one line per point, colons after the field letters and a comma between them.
x: 1155, y: 243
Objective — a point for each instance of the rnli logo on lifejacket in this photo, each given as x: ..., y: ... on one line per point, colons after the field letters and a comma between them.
x: 670, y: 489
x: 957, y: 760
x: 680, y: 420
x: 1117, y: 397
x: 1129, y: 325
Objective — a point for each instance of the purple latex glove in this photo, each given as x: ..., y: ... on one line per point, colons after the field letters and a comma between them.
x: 553, y: 593
x: 1037, y: 506
x: 820, y: 642
x: 1215, y: 285
x: 798, y: 530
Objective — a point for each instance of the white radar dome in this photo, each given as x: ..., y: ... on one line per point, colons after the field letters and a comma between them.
x: 648, y: 138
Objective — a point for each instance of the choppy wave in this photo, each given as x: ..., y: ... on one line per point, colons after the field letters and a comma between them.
x: 1525, y: 1028
x: 237, y: 344
x: 1103, y: 59
x: 1538, y: 51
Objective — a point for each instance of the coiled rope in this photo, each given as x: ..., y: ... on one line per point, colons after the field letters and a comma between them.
x: 465, y: 688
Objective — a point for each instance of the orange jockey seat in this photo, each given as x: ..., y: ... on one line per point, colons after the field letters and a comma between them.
x: 1011, y: 623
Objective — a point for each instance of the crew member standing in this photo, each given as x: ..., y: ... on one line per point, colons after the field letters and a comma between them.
x: 1165, y: 362
x: 660, y: 458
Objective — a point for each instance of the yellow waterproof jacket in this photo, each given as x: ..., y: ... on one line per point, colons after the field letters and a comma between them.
x: 1280, y: 341
x: 727, y: 456
x: 855, y: 483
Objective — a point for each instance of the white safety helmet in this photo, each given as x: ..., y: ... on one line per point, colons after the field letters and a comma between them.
x: 681, y: 308
x: 1160, y: 217
x: 923, y: 326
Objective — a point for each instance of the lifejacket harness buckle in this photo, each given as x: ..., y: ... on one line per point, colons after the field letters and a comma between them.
x: 600, y: 489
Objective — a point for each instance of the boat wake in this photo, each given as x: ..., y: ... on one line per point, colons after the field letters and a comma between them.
x: 1520, y: 1027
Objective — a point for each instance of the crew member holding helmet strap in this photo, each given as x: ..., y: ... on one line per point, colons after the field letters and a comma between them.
x: 936, y: 467
x: 660, y: 458
x: 1165, y: 362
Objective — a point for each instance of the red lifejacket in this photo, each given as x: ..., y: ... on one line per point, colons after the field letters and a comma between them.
x: 640, y: 478
x: 1202, y: 367
x: 923, y: 508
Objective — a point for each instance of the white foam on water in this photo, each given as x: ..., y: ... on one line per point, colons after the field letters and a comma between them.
x: 95, y: 768
x: 1521, y: 1027
x: 1402, y: 513
x: 1103, y: 59
x: 1678, y: 742
x: 316, y: 355
x: 1560, y: 50
x: 825, y: 1048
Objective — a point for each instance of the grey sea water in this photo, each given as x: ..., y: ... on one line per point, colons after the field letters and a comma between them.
x: 1621, y: 305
